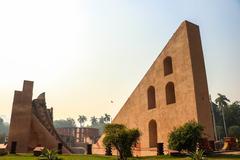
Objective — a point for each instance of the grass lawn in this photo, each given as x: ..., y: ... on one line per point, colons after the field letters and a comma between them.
x: 94, y: 157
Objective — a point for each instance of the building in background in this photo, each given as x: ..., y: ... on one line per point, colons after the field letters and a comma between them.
x: 78, y: 138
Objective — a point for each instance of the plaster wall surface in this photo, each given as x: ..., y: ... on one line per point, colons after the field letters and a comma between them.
x: 22, y: 105
x: 31, y: 123
x: 191, y: 93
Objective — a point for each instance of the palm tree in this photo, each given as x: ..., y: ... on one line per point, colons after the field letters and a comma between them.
x: 93, y: 120
x: 1, y: 120
x: 101, y: 120
x: 81, y: 119
x: 236, y: 103
x: 71, y: 122
x: 107, y: 117
x: 222, y: 103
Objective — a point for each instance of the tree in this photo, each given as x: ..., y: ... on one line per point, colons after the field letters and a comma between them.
x: 81, y: 120
x: 220, y: 132
x: 107, y: 118
x: 94, y: 121
x: 185, y: 137
x: 101, y: 120
x: 1, y: 120
x: 68, y: 123
x: 122, y: 138
x: 222, y: 103
x: 4, y: 127
x: 217, y: 114
x: 100, y: 123
x: 232, y: 114
x: 2, y: 137
x: 234, y: 131
x: 236, y: 103
x: 71, y: 121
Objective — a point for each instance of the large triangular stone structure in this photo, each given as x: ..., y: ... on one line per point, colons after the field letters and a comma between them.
x: 172, y: 92
x: 32, y: 123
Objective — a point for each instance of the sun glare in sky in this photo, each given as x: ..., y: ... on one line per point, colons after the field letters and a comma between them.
x: 85, y: 54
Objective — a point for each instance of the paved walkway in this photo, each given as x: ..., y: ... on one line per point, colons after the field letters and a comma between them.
x: 228, y: 153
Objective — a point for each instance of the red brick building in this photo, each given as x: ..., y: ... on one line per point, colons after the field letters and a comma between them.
x: 75, y: 135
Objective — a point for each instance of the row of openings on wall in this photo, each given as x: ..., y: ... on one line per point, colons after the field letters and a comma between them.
x: 170, y: 95
x: 169, y: 89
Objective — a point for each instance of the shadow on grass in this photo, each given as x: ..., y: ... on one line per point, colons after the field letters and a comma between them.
x: 224, y: 156
x: 97, y: 157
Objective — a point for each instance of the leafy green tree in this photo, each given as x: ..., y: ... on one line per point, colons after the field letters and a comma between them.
x: 82, y: 119
x: 71, y: 121
x: 122, y: 138
x: 1, y: 121
x: 217, y: 114
x: 232, y: 117
x: 4, y: 127
x: 100, y: 123
x: 232, y: 114
x: 218, y: 121
x: 101, y: 120
x: 234, y: 131
x: 107, y: 118
x: 62, y: 123
x: 236, y: 103
x: 185, y: 137
x: 94, y: 121
x: 220, y: 132
x: 2, y: 137
x: 222, y: 103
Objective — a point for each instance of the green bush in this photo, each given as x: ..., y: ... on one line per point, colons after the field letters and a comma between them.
x: 198, y: 155
x: 48, y: 154
x: 234, y: 131
x: 185, y: 137
x: 121, y: 138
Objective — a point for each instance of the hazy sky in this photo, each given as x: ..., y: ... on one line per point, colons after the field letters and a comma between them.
x: 84, y: 54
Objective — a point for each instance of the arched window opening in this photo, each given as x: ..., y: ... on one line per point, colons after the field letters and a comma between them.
x: 168, y: 69
x: 170, y: 93
x: 151, y: 97
x: 152, y: 133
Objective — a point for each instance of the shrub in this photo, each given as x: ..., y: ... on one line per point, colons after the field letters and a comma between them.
x: 185, y: 137
x: 49, y: 154
x: 234, y: 131
x: 121, y: 138
x: 198, y: 155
